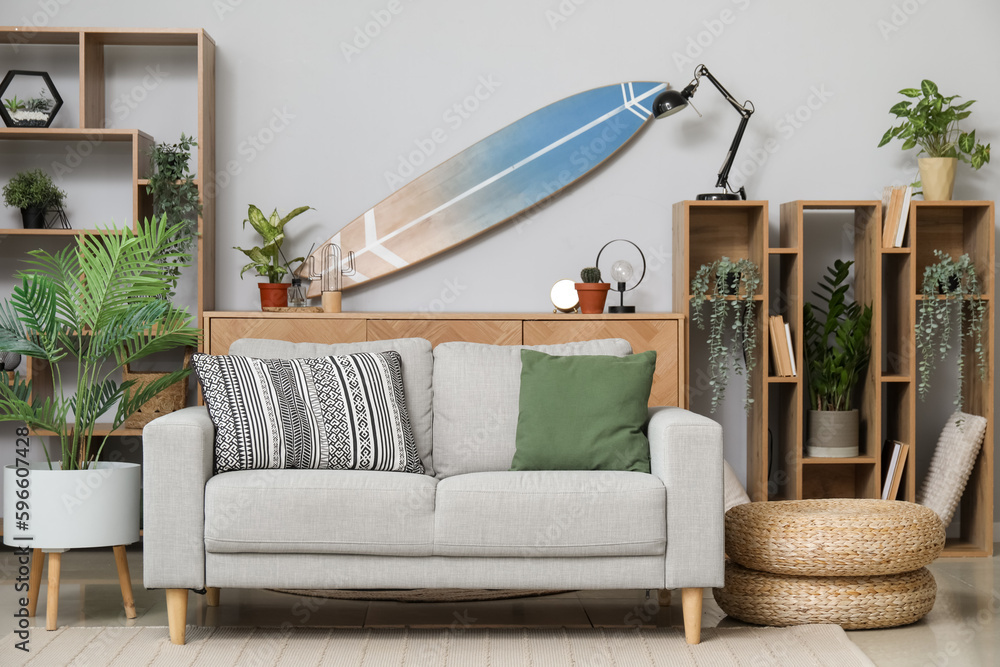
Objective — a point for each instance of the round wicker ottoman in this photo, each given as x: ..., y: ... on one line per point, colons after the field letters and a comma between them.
x: 853, y: 603
x: 854, y: 562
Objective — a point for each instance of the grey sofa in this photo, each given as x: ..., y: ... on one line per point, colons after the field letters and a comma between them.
x: 468, y: 522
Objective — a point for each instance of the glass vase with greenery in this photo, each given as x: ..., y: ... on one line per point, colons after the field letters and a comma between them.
x: 837, y: 346
x: 730, y: 287
x: 175, y: 194
x: 951, y: 310
x: 100, y: 304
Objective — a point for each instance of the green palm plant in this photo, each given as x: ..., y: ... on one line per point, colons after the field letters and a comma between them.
x: 267, y: 259
x: 100, y: 303
x: 837, y: 347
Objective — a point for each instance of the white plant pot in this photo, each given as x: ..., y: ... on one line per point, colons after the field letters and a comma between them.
x: 833, y: 433
x: 72, y: 509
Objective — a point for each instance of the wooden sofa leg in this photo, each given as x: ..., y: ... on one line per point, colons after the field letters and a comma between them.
x: 212, y: 596
x: 691, y: 606
x: 177, y: 599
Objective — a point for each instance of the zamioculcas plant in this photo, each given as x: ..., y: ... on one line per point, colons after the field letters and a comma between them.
x: 714, y: 282
x: 836, y: 346
x: 952, y: 299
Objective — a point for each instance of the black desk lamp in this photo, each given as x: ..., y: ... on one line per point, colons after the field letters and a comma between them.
x: 670, y: 102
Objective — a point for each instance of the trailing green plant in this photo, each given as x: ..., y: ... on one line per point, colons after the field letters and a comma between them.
x: 837, y: 346
x: 100, y: 303
x: 931, y: 122
x: 591, y: 274
x: 951, y: 310
x: 32, y: 189
x: 267, y: 258
x: 714, y: 282
x: 13, y: 104
x: 175, y: 194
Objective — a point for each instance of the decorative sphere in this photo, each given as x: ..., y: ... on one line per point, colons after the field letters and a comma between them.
x: 621, y: 271
x: 10, y: 360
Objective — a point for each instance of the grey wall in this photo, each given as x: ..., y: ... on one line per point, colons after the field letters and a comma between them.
x: 313, y: 111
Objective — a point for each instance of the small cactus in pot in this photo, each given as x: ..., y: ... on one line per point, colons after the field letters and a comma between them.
x: 592, y: 291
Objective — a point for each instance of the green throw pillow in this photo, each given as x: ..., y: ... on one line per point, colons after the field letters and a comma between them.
x: 583, y: 412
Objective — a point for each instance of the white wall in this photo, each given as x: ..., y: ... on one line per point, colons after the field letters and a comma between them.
x: 821, y: 75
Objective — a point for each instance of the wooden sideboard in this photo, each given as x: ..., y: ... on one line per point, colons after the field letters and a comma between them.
x: 663, y: 332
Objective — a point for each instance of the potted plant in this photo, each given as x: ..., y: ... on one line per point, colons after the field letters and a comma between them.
x: 931, y: 122
x: 175, y: 194
x: 837, y: 351
x: 267, y: 259
x: 592, y: 292
x: 34, y: 193
x: 97, y: 303
x: 731, y: 287
x: 952, y: 299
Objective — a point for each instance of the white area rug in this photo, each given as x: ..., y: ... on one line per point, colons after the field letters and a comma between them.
x: 802, y: 646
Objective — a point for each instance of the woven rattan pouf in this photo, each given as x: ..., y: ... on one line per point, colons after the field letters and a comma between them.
x: 856, y: 563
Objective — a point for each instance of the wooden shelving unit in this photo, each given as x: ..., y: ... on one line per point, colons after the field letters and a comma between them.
x: 889, y: 280
x: 91, y: 43
x: 91, y: 128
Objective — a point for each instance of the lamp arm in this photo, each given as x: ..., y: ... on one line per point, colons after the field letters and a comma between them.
x: 745, y: 110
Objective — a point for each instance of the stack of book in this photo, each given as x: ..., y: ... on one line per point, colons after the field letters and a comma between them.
x: 893, y: 460
x: 781, y: 347
x: 895, y: 209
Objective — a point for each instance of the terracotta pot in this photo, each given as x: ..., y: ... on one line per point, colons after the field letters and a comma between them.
x: 33, y: 218
x: 592, y: 297
x: 937, y: 177
x: 273, y: 295
x: 833, y: 433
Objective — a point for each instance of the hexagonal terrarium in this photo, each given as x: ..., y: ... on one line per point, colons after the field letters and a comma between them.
x: 28, y: 99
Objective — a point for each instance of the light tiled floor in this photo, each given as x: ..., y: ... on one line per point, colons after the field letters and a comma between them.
x: 961, y: 630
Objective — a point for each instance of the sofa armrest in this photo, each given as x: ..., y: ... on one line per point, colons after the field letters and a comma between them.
x: 686, y: 454
x: 177, y: 458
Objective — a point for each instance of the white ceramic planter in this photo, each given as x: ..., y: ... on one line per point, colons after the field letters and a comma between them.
x: 833, y: 433
x: 72, y: 509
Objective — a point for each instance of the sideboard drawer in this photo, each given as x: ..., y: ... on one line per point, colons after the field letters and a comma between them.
x: 221, y: 332
x: 492, y: 332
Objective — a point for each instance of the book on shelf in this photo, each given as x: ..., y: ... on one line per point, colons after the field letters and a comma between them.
x: 895, y: 210
x: 904, y: 213
x: 789, y: 350
x: 894, y: 455
x: 779, y: 349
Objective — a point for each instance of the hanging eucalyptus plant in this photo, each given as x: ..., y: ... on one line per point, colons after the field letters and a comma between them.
x: 175, y: 195
x: 952, y: 300
x: 739, y: 280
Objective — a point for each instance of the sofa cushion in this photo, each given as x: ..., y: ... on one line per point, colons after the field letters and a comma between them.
x: 320, y: 511
x: 342, y: 412
x: 550, y: 513
x: 476, y: 390
x: 417, y: 363
x: 583, y: 412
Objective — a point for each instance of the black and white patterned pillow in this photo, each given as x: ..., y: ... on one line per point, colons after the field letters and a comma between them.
x: 344, y: 412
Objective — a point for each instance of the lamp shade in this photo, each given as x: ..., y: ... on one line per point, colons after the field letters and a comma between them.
x: 668, y: 103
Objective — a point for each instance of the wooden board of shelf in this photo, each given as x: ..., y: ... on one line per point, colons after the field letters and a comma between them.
x: 71, y: 134
x: 100, y: 429
x: 825, y: 460
x: 108, y: 36
x: 53, y: 232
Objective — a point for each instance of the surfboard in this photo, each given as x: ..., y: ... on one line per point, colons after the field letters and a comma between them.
x: 491, y: 182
